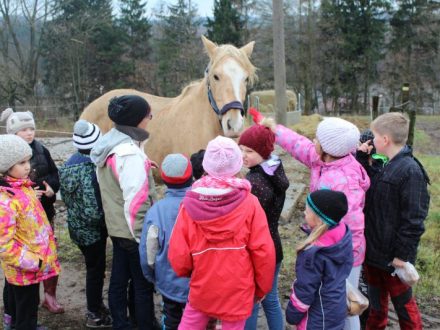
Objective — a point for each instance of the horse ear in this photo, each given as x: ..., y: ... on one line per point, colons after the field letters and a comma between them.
x: 247, y: 49
x: 209, y: 46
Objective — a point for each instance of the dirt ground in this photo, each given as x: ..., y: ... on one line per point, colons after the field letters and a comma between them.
x: 71, y: 291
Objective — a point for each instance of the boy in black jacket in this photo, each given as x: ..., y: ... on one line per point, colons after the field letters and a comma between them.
x: 396, y: 206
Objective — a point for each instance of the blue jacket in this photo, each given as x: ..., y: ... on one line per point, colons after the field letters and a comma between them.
x: 318, y: 299
x: 163, y: 215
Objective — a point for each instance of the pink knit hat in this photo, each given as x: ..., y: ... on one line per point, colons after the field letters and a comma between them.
x: 222, y: 158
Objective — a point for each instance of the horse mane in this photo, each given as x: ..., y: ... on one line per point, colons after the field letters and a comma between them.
x: 232, y: 51
x: 189, y: 87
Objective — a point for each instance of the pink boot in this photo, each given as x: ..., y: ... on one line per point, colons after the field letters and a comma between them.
x: 50, y: 301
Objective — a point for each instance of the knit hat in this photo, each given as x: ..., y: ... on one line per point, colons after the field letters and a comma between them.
x: 222, y: 157
x: 176, y: 171
x: 85, y: 134
x: 368, y: 135
x: 337, y: 136
x: 128, y: 110
x: 329, y: 205
x: 16, y: 121
x: 259, y: 138
x: 13, y: 149
x: 196, y: 163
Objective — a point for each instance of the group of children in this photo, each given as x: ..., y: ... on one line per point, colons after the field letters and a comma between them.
x: 211, y: 247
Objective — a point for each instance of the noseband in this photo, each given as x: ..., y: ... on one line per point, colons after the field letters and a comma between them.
x: 226, y: 107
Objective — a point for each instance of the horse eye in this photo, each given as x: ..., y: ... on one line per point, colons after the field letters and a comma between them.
x: 216, y: 77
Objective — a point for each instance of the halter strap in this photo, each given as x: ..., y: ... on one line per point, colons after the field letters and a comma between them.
x: 227, y: 106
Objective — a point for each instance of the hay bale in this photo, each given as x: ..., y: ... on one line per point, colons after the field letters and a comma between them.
x: 307, y: 125
x: 267, y: 100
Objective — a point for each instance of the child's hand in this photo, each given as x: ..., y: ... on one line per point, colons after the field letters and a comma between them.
x: 48, y: 192
x: 257, y: 117
x: 366, y: 147
x: 397, y: 263
x: 153, y: 164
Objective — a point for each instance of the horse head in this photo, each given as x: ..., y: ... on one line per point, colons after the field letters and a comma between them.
x: 227, y: 75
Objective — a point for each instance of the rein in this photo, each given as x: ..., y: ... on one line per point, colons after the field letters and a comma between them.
x: 226, y: 107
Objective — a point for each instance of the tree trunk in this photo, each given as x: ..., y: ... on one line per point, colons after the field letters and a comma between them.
x: 279, y: 62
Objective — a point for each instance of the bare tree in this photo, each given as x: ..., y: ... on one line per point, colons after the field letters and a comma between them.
x: 22, y: 26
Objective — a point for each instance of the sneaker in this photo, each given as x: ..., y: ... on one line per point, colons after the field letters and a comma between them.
x: 7, y: 322
x: 98, y: 320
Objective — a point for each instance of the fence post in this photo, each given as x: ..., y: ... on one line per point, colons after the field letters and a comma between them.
x: 375, y: 109
x: 411, y: 113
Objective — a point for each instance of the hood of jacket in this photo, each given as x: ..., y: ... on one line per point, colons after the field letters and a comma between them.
x: 105, y: 145
x: 338, y: 252
x: 220, y: 217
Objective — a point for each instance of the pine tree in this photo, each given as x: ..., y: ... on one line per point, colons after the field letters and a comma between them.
x: 226, y: 27
x: 178, y: 48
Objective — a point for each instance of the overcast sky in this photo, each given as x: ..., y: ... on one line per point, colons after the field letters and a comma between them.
x: 204, y: 6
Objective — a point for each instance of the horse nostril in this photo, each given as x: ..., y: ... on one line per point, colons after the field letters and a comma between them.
x: 229, y: 124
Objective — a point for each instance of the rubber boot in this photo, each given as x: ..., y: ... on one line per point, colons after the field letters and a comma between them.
x: 50, y: 300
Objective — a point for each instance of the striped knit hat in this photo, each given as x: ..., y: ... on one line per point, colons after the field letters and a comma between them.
x: 85, y: 135
x: 329, y: 205
x: 337, y: 136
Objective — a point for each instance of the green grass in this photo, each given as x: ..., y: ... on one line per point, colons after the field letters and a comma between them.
x: 428, y: 260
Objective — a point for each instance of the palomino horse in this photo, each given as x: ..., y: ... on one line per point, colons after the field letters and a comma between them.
x: 206, y: 108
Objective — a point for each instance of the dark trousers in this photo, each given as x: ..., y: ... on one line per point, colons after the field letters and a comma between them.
x: 94, y: 256
x: 172, y: 313
x: 126, y: 266
x: 381, y: 285
x: 23, y: 305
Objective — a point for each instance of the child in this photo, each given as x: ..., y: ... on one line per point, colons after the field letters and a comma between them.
x: 221, y: 239
x: 126, y: 184
x: 27, y: 245
x: 269, y: 183
x: 176, y: 173
x: 333, y: 167
x: 324, y: 261
x: 396, y: 207
x: 45, y: 175
x: 85, y: 218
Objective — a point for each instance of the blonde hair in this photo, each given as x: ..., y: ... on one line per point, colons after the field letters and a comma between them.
x: 316, y: 233
x: 393, y: 124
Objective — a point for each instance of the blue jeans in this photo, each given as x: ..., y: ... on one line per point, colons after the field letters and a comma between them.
x: 126, y: 265
x: 272, y: 308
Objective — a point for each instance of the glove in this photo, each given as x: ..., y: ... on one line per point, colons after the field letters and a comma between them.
x: 257, y: 117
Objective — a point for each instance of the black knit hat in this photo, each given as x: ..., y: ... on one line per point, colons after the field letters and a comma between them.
x: 128, y: 110
x: 196, y: 162
x: 330, y: 206
x: 368, y: 135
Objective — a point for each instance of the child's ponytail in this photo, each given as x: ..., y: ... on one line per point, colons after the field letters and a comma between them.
x: 316, y: 233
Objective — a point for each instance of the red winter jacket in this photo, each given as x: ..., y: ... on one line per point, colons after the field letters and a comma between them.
x: 223, y: 243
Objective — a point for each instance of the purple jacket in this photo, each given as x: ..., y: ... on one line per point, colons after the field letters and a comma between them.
x: 344, y: 174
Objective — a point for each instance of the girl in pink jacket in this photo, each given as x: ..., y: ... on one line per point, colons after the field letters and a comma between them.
x: 332, y: 166
x: 27, y: 245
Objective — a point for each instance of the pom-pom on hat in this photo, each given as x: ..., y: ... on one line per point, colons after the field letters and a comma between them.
x: 222, y: 158
x: 176, y: 171
x: 259, y: 138
x: 85, y: 135
x: 337, y: 136
x: 13, y: 149
x: 128, y: 110
x: 329, y: 205
x: 16, y: 121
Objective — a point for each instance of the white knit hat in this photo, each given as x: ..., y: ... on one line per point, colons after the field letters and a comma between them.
x: 337, y: 136
x: 13, y: 149
x: 85, y: 135
x: 16, y: 121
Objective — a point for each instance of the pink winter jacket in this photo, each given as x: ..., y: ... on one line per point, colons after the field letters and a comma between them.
x: 344, y: 174
x: 27, y: 246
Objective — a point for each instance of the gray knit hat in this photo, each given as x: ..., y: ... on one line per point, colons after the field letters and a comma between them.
x: 85, y: 135
x: 337, y: 136
x: 16, y: 121
x: 176, y: 171
x: 13, y: 149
